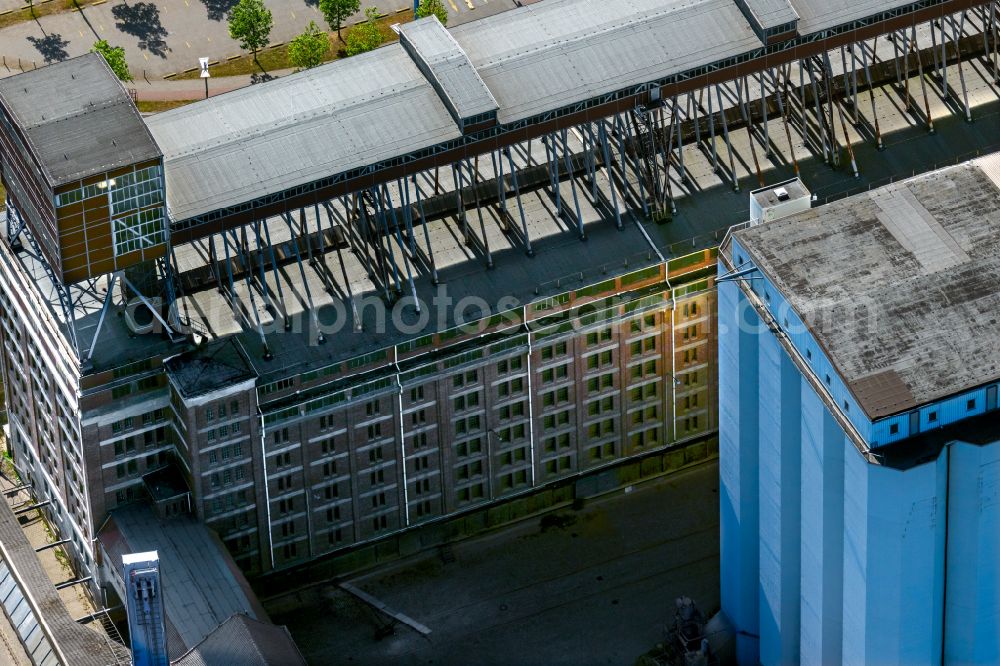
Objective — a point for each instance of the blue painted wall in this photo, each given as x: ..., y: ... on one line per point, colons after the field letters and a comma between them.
x: 738, y: 456
x: 893, y: 563
x: 972, y: 622
x: 827, y: 558
x: 780, y: 445
x: 822, y: 533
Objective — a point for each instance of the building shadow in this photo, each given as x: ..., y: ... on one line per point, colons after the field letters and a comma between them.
x: 217, y: 9
x: 52, y: 47
x: 142, y: 20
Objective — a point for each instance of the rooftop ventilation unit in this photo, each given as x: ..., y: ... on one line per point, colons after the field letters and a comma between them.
x: 139, y: 318
x: 777, y: 201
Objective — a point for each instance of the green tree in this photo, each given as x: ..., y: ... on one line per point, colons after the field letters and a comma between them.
x: 433, y: 8
x: 308, y: 49
x: 337, y: 11
x: 115, y: 55
x: 365, y: 36
x: 250, y: 24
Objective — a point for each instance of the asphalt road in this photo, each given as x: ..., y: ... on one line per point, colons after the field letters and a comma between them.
x: 170, y: 35
x: 596, y: 590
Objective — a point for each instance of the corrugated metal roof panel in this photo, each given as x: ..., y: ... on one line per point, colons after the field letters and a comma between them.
x: 561, y: 52
x: 243, y: 641
x: 447, y: 64
x: 274, y: 136
x: 818, y: 15
x: 772, y: 13
x: 202, y: 587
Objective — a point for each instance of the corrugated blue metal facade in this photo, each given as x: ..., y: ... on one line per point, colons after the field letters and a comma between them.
x: 827, y: 558
x: 738, y: 470
x: 780, y: 446
x: 972, y: 621
x: 822, y: 538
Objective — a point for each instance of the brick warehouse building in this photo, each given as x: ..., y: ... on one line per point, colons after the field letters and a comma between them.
x: 289, y: 445
x: 250, y: 309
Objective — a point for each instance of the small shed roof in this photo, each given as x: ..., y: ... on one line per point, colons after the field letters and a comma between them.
x: 202, y: 586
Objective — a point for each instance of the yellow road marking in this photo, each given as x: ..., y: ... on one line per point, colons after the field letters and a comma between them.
x: 81, y: 33
x: 453, y: 5
x: 188, y: 44
x: 292, y: 13
x: 469, y: 3
x: 209, y: 38
x: 145, y: 56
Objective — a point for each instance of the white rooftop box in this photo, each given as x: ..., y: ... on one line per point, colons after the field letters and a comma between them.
x: 780, y: 200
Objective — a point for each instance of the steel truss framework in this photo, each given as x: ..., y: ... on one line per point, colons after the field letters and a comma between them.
x: 759, y: 63
x: 70, y: 302
x: 632, y: 160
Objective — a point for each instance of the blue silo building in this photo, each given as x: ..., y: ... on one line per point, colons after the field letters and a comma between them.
x: 859, y: 359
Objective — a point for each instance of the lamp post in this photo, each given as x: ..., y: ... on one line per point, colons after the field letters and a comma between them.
x: 203, y: 63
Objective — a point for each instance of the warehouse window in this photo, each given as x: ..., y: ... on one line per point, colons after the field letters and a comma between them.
x: 133, y: 191
x: 138, y: 230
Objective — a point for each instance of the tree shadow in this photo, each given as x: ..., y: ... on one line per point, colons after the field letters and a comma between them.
x: 217, y: 9
x: 260, y: 77
x: 142, y: 20
x: 312, y: 3
x: 52, y: 47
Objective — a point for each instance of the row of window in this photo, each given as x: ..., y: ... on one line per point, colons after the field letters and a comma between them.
x: 225, y: 453
x: 131, y: 467
x: 127, y: 445
x: 121, y: 187
x: 224, y: 431
x: 144, y: 384
x: 219, y: 410
x: 227, y: 477
x: 229, y: 501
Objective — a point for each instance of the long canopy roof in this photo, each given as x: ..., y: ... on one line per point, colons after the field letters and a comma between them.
x: 534, y: 60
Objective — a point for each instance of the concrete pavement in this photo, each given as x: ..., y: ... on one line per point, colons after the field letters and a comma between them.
x: 170, y: 35
x: 595, y: 587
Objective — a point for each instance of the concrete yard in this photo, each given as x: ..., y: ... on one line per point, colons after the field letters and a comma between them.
x: 594, y: 586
